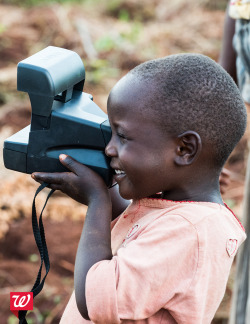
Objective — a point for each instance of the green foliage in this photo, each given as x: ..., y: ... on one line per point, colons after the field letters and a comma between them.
x: 130, y: 10
x: 230, y: 203
x: 2, y: 28
x: 33, y: 257
x: 30, y: 3
x: 116, y: 8
x: 2, y: 98
x: 57, y: 299
x: 99, y: 70
x: 215, y: 4
x: 12, y: 320
x: 133, y: 35
x: 113, y: 5
x: 111, y: 42
x: 105, y: 44
x: 124, y: 15
x: 33, y: 317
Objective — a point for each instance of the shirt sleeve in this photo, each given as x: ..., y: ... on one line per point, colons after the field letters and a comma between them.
x: 145, y: 274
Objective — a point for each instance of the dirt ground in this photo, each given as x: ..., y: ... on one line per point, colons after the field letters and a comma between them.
x: 111, y: 40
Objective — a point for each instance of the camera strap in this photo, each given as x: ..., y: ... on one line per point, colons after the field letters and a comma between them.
x: 39, y: 235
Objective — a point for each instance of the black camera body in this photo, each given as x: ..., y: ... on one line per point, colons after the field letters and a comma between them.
x: 64, y: 119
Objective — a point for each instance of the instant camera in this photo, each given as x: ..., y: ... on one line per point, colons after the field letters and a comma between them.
x: 64, y: 118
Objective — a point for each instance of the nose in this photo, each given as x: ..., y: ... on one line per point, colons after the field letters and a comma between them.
x: 110, y: 149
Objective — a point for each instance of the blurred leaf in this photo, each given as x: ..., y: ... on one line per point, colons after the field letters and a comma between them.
x: 13, y: 319
x: 108, y: 43
x: 45, y: 314
x: 30, y: 3
x: 33, y: 257
x: 2, y: 98
x: 124, y: 15
x: 97, y: 64
x: 230, y: 202
x: 134, y: 34
x: 113, y: 5
x: 99, y: 70
x: 2, y: 28
x: 215, y: 4
x: 37, y: 317
x: 57, y: 299
x: 98, y: 76
x: 105, y: 44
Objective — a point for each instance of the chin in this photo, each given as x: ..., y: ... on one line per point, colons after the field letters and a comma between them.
x: 128, y: 195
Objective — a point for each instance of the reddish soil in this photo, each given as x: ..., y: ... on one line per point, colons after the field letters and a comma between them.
x: 19, y: 257
x: 162, y: 31
x: 17, y: 270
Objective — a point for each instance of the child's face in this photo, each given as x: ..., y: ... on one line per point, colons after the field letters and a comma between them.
x: 141, y: 154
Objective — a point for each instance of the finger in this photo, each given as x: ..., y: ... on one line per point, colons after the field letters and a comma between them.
x: 55, y: 186
x: 55, y: 178
x: 39, y: 181
x: 69, y: 163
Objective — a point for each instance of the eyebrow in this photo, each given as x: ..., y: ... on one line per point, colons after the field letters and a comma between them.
x: 120, y: 125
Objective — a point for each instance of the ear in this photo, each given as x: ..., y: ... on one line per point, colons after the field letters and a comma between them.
x: 188, y: 148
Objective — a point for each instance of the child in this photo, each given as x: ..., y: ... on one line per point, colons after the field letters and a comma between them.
x: 167, y: 259
x: 235, y: 58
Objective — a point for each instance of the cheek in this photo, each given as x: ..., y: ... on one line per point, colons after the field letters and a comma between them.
x: 127, y: 157
x: 137, y: 162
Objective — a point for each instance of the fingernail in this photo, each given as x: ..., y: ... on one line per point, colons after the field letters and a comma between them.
x: 62, y: 156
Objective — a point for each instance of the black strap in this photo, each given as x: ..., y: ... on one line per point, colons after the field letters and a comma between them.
x: 39, y: 235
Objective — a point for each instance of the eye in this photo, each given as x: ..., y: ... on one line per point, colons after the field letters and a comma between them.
x: 122, y: 137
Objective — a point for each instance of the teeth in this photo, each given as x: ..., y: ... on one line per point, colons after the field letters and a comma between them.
x: 119, y: 172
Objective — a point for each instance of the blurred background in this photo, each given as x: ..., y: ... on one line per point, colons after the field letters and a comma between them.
x: 111, y: 36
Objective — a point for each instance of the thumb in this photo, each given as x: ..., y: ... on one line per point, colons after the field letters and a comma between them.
x: 69, y: 162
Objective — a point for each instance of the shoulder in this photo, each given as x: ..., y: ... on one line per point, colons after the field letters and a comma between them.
x: 219, y: 232
x: 210, y: 224
x: 210, y: 217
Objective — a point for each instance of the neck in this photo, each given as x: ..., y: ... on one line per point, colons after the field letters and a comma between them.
x: 206, y: 191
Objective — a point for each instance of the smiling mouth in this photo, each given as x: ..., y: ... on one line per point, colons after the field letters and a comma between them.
x: 119, y: 172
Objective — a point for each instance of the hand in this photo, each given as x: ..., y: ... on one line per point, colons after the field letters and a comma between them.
x: 224, y: 180
x: 82, y: 184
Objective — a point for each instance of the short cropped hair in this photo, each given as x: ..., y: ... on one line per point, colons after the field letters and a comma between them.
x: 193, y: 92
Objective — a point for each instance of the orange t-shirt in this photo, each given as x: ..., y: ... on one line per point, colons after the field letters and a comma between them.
x: 171, y: 262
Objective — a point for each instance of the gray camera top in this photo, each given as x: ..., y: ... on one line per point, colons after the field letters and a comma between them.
x: 50, y: 72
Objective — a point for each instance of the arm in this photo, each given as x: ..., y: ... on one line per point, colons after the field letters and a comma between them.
x: 118, y: 203
x: 228, y: 56
x: 85, y: 186
x: 94, y: 246
x: 143, y: 276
